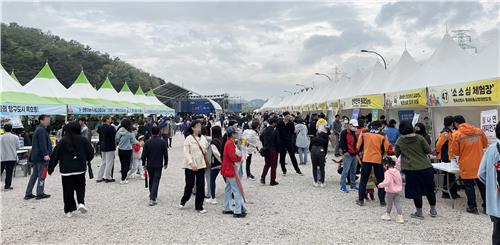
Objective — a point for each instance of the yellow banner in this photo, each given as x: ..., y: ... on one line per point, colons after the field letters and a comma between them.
x: 323, y: 106
x: 368, y: 102
x: 334, y: 105
x: 406, y: 99
x: 485, y: 92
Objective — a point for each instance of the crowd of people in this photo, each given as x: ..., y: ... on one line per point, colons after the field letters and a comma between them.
x: 370, y: 154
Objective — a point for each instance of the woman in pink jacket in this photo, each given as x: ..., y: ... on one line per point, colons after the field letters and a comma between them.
x: 393, y: 185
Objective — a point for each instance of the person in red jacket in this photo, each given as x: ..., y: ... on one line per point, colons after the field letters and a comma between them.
x: 231, y: 155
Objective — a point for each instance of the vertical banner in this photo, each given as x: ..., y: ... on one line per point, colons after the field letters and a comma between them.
x: 355, y: 113
x: 414, y: 121
x: 489, y: 120
x: 374, y: 114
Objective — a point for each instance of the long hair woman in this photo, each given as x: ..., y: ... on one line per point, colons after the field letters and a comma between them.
x: 228, y: 170
x: 251, y: 139
x: 216, y: 161
x: 195, y: 162
x: 72, y: 154
x: 125, y: 138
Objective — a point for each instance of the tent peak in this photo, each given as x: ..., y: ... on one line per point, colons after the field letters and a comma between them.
x: 46, y: 72
x: 139, y: 91
x: 125, y: 88
x: 106, y: 84
x: 81, y: 79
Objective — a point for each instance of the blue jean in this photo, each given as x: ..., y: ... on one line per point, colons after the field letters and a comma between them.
x: 350, y: 163
x: 36, y: 177
x: 232, y: 188
x: 302, y: 154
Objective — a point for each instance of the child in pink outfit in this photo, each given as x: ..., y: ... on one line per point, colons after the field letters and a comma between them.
x: 393, y: 185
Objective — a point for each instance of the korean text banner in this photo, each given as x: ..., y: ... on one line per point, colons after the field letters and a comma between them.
x: 334, y: 105
x: 26, y: 110
x: 485, y: 92
x: 489, y: 120
x: 369, y: 102
x: 406, y: 99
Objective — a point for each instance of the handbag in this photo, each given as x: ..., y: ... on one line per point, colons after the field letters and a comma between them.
x: 205, y: 157
x: 264, y: 151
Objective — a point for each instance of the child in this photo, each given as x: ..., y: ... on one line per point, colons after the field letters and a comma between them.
x: 370, y: 187
x: 393, y: 185
x: 136, y: 159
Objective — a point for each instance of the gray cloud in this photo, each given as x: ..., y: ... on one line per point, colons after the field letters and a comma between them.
x: 424, y: 14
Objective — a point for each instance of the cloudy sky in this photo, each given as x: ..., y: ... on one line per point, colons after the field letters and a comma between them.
x: 256, y: 49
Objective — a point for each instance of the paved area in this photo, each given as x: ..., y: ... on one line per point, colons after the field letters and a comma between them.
x: 292, y: 213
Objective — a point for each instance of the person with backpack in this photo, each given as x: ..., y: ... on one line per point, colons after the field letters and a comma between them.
x: 374, y: 145
x: 72, y: 155
x: 442, y: 147
x: 215, y: 149
x: 489, y: 175
x: 125, y: 139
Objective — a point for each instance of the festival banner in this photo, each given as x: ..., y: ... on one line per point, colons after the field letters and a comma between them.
x: 89, y: 110
x: 368, y: 102
x: 25, y: 110
x: 489, y: 120
x: 306, y: 108
x: 414, y: 98
x: 485, y: 92
x: 334, y: 105
x: 323, y: 106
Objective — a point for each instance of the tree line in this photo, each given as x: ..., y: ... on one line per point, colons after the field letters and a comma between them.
x: 27, y: 49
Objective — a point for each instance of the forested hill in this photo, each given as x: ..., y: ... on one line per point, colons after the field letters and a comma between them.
x: 26, y: 49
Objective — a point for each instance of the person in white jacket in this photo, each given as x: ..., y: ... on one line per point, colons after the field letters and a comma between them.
x: 250, y: 141
x: 195, y: 163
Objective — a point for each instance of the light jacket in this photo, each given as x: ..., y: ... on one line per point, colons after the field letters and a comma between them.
x: 125, y: 139
x: 374, y: 145
x: 392, y: 181
x: 488, y: 175
x: 302, y: 140
x: 192, y: 152
x: 9, y: 144
x: 229, y: 158
x: 252, y: 140
x: 468, y: 144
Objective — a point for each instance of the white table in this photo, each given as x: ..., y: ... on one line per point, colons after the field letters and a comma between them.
x: 446, y: 168
x: 20, y: 151
x: 25, y: 148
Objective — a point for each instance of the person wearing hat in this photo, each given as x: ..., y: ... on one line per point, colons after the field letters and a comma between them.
x: 231, y: 155
x: 348, y: 144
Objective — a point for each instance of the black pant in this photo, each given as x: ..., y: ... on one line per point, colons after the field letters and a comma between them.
x: 154, y: 182
x: 471, y: 192
x: 8, y: 166
x: 288, y: 146
x: 125, y: 160
x: 192, y: 176
x: 495, y: 238
x: 248, y: 164
x: 318, y: 155
x: 70, y: 185
x: 419, y: 203
x: 366, y: 170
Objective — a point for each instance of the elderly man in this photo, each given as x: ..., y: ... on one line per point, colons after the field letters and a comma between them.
x: 9, y: 144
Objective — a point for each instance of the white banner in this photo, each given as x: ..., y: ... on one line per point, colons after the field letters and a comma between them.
x: 489, y: 120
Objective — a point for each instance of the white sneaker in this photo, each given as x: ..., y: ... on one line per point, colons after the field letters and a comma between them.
x: 315, y: 184
x: 82, y: 208
x: 400, y: 219
x: 181, y: 206
x: 322, y: 185
x: 142, y: 177
x: 212, y: 201
x: 123, y: 182
x: 68, y: 214
x: 204, y: 211
x: 386, y: 217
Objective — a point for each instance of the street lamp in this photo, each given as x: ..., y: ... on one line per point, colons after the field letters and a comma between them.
x: 322, y: 74
x: 304, y: 86
x: 369, y: 51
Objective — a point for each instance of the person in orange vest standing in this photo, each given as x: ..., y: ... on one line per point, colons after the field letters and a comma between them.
x: 467, y: 149
x: 373, y: 145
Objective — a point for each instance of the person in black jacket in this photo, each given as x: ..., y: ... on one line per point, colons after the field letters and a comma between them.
x: 72, y: 155
x: 270, y: 138
x: 319, y: 149
x: 286, y: 129
x: 154, y: 157
x: 107, y: 142
x: 348, y: 143
x: 40, y: 156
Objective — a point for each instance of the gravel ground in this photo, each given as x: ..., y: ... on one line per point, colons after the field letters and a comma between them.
x: 292, y: 213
